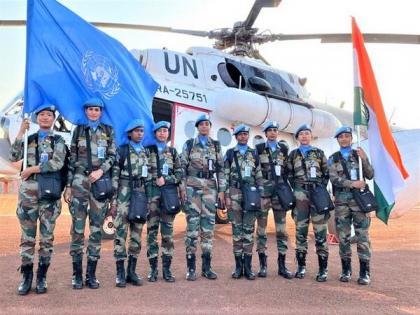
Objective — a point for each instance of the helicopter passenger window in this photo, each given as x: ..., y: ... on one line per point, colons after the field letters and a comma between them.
x: 224, y: 136
x: 231, y: 75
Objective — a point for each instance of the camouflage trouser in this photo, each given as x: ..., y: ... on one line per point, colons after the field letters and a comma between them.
x: 302, y: 213
x: 29, y: 211
x: 122, y: 225
x: 346, y: 214
x: 166, y: 221
x: 243, y: 223
x: 82, y: 200
x: 279, y: 222
x: 200, y: 210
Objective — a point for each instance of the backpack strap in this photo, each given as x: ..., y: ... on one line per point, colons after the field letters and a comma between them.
x: 124, y: 153
x: 260, y: 148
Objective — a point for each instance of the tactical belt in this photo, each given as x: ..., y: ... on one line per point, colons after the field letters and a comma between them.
x: 206, y: 175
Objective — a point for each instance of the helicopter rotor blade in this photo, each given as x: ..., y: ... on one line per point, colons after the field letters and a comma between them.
x: 255, y: 11
x: 124, y: 26
x: 379, y: 38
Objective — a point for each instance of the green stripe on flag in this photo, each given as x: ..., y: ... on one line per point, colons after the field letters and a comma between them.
x: 384, y: 208
x: 360, y: 113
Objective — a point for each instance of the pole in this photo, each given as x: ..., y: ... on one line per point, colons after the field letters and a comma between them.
x: 25, y: 145
x: 360, y: 159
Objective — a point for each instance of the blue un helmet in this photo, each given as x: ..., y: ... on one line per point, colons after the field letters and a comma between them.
x: 203, y: 117
x: 270, y: 124
x: 93, y: 102
x: 302, y: 128
x: 161, y: 124
x: 343, y: 129
x: 48, y: 107
x: 135, y: 123
x: 241, y: 128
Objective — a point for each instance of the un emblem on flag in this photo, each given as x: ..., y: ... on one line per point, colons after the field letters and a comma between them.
x: 100, y: 74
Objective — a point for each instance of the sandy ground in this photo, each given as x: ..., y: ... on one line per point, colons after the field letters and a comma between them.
x: 394, y: 288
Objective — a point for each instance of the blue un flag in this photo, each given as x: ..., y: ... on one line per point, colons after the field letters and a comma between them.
x: 68, y: 60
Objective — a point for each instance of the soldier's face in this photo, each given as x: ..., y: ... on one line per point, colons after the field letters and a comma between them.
x: 137, y: 134
x: 242, y: 137
x: 45, y: 119
x: 305, y: 137
x: 272, y: 134
x: 162, y: 134
x: 204, y: 128
x: 93, y: 112
x: 345, y: 139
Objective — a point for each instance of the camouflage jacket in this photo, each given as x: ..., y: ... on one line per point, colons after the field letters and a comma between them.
x: 56, y: 156
x: 197, y: 160
x: 102, y: 136
x: 279, y: 157
x: 175, y: 170
x: 249, y: 159
x: 296, y: 163
x: 337, y: 175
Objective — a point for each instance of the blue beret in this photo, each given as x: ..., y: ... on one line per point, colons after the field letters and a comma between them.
x: 93, y: 102
x: 48, y: 107
x: 270, y: 124
x: 203, y: 117
x: 240, y: 128
x: 161, y: 124
x: 135, y: 123
x: 302, y: 128
x: 343, y: 129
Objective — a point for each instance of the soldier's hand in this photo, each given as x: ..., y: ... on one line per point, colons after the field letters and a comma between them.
x: 361, y: 153
x: 95, y: 175
x: 221, y: 195
x: 160, y: 181
x: 182, y: 195
x: 67, y: 195
x: 24, y: 126
x: 359, y: 184
x: 29, y: 171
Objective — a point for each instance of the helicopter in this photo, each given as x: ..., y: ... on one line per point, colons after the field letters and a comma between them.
x: 234, y: 84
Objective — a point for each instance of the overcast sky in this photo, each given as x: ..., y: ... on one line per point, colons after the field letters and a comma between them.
x: 328, y: 67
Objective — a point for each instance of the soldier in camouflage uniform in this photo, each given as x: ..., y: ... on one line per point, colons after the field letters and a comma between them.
x: 347, y: 211
x: 243, y: 222
x: 171, y: 172
x: 202, y: 158
x: 79, y: 192
x: 139, y: 159
x: 307, y: 166
x: 278, y: 151
x: 51, y: 156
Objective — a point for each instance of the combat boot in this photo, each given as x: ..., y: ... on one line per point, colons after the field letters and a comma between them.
x: 206, y: 270
x: 262, y: 273
x: 120, y: 279
x: 191, y: 275
x: 166, y: 268
x: 25, y: 285
x: 238, y: 272
x: 249, y: 274
x: 77, y: 279
x: 41, y: 275
x: 132, y: 277
x: 91, y: 280
x: 301, y: 260
x: 346, y: 270
x: 364, y: 274
x: 323, y: 269
x: 153, y: 274
x: 283, y: 271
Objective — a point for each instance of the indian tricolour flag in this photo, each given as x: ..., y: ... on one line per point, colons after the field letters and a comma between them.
x: 368, y: 110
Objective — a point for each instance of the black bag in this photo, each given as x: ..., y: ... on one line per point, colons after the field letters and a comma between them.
x: 251, y: 198
x: 137, y: 211
x: 169, y: 199
x: 102, y: 188
x: 49, y: 186
x: 285, y: 194
x: 365, y: 199
x: 320, y: 197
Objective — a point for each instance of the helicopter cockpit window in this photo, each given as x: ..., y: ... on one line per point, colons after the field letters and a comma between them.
x: 231, y: 75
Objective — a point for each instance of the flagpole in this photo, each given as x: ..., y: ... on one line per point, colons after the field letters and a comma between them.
x: 360, y: 159
x: 25, y: 145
